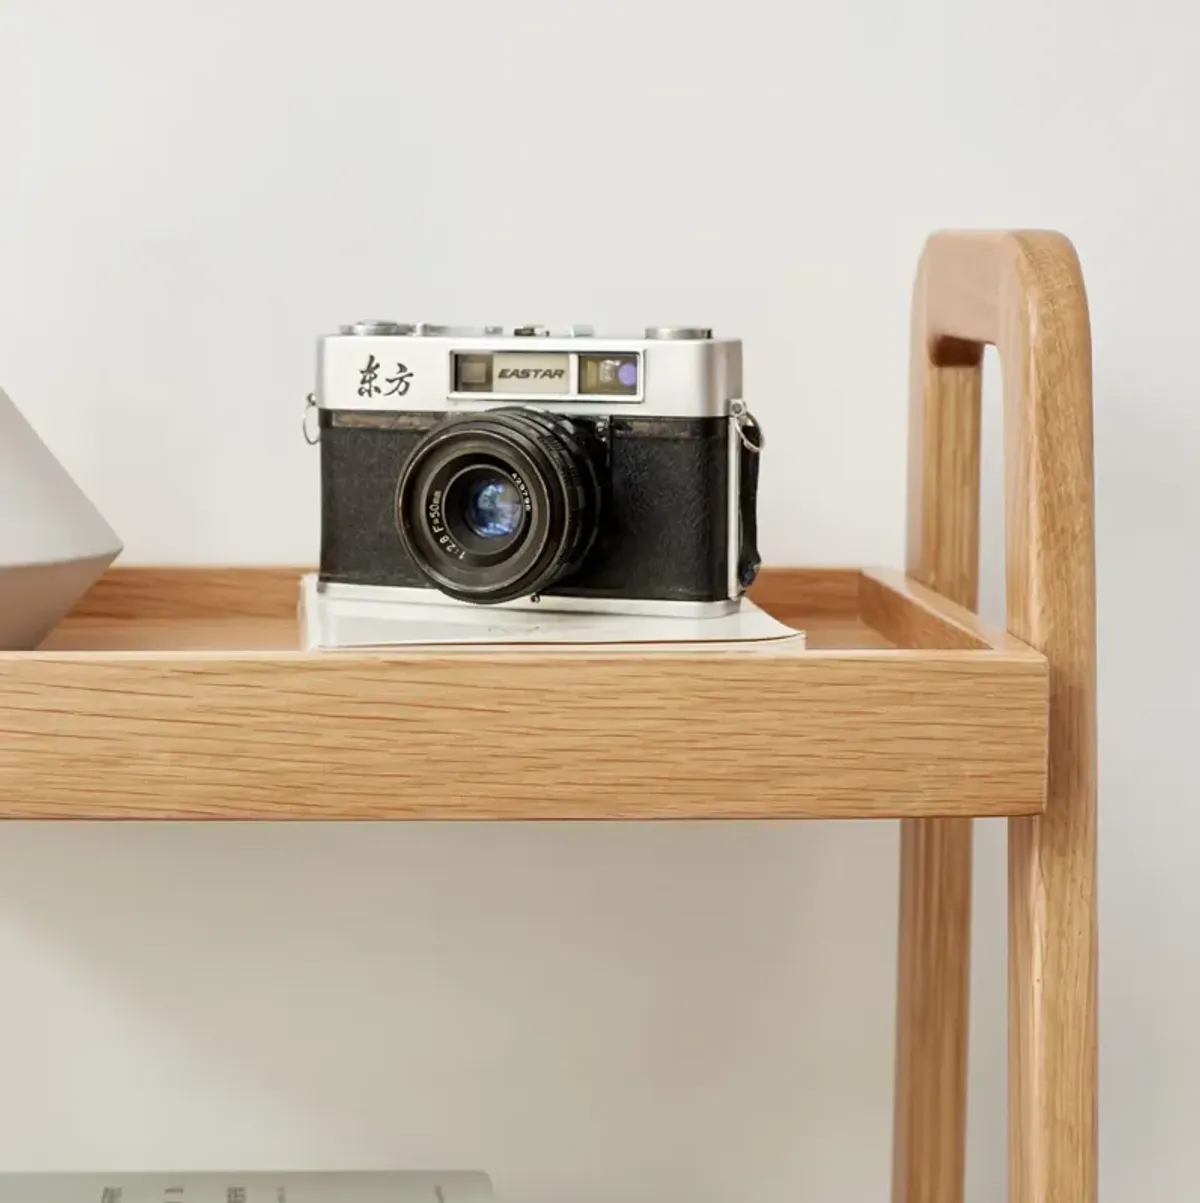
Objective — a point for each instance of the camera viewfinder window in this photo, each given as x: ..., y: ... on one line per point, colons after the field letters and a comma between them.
x: 613, y: 375
x: 472, y: 373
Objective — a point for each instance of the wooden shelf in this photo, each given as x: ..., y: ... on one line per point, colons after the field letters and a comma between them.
x: 182, y: 694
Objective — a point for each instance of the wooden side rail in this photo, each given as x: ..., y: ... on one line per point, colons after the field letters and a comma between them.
x: 1022, y: 292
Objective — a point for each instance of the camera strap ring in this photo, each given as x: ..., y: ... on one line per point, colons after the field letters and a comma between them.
x: 751, y: 436
x: 749, y: 431
x: 312, y: 435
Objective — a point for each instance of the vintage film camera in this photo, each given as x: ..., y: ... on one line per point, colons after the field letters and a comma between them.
x: 526, y: 467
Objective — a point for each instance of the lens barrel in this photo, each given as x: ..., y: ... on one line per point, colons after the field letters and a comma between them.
x: 498, y: 505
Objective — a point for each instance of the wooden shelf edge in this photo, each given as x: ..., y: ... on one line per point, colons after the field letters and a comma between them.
x: 910, y: 614
x: 635, y: 739
x: 271, y: 733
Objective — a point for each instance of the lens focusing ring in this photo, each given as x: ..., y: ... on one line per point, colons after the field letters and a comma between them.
x: 547, y: 458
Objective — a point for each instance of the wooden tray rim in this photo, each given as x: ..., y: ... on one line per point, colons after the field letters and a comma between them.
x: 916, y: 620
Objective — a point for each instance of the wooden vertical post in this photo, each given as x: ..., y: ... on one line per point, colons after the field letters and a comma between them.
x: 935, y: 854
x: 1023, y: 292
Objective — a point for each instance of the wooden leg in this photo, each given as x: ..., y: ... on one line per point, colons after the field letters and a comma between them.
x: 1053, y: 1118
x: 1052, y: 1009
x: 1023, y: 292
x: 929, y: 1151
x: 929, y: 1139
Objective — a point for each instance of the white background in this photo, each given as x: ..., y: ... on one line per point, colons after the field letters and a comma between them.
x: 190, y: 193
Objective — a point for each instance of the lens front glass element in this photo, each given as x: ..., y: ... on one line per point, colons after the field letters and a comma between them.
x: 492, y: 506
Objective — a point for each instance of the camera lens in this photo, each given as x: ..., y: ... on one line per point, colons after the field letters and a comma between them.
x: 492, y: 507
x: 498, y: 505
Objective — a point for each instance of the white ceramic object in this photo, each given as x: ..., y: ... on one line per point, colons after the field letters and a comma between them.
x: 54, y: 543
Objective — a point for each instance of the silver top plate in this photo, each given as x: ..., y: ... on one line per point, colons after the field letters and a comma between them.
x: 370, y: 326
x: 396, y: 367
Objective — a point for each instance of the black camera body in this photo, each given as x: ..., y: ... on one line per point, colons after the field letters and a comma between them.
x: 525, y: 468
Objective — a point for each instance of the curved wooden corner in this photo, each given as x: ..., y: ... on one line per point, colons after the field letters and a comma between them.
x: 1023, y: 292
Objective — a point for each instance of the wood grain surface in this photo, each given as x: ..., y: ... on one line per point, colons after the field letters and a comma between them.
x: 912, y: 616
x: 201, y: 712
x: 1043, y: 331
x: 216, y: 593
x: 1024, y: 293
x: 503, y: 736
x: 933, y: 973
x: 220, y: 591
x: 242, y: 608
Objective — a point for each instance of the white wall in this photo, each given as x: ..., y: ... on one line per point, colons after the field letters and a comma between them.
x: 190, y: 193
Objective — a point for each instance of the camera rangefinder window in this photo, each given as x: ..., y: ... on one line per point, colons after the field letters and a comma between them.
x: 473, y: 373
x: 609, y: 375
